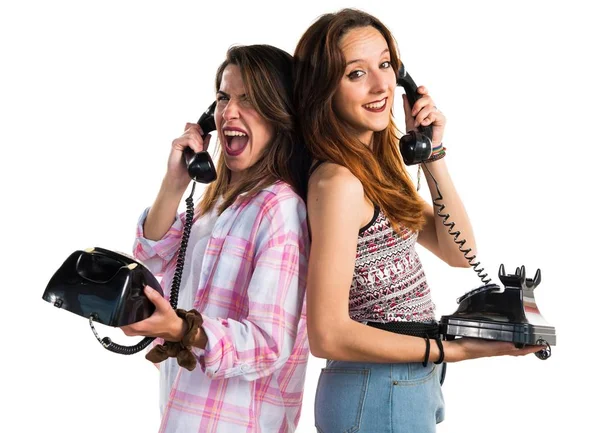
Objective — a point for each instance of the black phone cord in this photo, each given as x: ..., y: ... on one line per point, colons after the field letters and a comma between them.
x: 176, y: 282
x: 437, y: 202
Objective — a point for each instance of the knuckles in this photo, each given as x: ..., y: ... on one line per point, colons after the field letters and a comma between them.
x: 128, y: 331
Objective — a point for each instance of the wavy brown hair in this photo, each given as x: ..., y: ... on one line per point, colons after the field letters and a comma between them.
x: 319, y: 68
x: 267, y: 77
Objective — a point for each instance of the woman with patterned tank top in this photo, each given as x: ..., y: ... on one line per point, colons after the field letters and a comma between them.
x: 369, y: 307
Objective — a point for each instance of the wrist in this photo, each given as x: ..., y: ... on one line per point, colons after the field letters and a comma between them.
x: 437, y: 152
x: 436, y: 351
x: 174, y: 187
x: 178, y: 329
x: 200, y: 340
x: 440, y: 348
x: 453, y: 351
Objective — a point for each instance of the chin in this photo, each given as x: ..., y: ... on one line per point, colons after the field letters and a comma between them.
x: 376, y: 125
x: 379, y: 126
x: 235, y: 165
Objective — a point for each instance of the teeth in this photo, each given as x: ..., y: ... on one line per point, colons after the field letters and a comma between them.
x: 234, y: 133
x: 376, y: 105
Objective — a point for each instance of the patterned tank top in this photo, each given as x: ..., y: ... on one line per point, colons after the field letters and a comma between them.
x: 389, y: 283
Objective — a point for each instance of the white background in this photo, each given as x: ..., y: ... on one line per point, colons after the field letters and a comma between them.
x: 93, y: 93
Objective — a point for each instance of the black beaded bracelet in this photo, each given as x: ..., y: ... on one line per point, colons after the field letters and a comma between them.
x: 426, y: 352
x: 440, y: 346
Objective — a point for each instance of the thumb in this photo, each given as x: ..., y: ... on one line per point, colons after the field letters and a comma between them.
x: 188, y: 126
x: 408, y: 119
x: 206, y: 142
x: 155, y: 297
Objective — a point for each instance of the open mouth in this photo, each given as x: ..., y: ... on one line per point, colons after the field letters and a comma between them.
x: 376, y: 106
x: 236, y: 141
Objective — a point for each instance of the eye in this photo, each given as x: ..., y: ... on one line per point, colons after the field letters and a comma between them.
x: 355, y: 74
x: 385, y: 65
x: 221, y: 97
x: 245, y: 101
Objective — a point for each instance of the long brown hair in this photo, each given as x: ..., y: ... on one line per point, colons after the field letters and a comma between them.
x: 319, y: 67
x: 267, y: 77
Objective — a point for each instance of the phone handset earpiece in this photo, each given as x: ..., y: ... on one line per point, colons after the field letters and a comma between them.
x: 200, y: 165
x: 415, y: 146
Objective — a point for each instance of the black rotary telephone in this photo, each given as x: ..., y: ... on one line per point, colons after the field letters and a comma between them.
x: 489, y: 311
x: 107, y: 287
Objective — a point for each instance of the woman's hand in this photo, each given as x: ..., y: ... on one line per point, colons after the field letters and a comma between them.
x: 425, y: 113
x: 471, y: 348
x: 163, y: 323
x: 177, y: 174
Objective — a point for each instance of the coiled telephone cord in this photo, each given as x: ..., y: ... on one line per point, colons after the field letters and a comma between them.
x: 176, y: 282
x: 437, y: 202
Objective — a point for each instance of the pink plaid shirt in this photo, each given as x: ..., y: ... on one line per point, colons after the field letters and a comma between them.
x: 250, y: 376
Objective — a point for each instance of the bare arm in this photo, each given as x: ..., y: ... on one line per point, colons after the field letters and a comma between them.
x: 336, y: 208
x: 164, y: 209
x: 434, y: 236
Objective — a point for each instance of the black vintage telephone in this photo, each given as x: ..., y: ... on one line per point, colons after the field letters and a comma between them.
x: 487, y: 312
x: 107, y: 287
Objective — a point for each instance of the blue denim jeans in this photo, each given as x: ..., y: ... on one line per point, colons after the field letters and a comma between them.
x: 379, y: 398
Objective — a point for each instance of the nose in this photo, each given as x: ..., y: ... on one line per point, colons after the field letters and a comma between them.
x: 231, y: 110
x: 378, y: 82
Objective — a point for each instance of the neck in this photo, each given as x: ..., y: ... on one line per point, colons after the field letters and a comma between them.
x: 367, y: 141
x: 366, y: 138
x: 234, y: 178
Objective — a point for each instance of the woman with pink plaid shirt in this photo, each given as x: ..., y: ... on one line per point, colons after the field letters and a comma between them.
x: 246, y: 260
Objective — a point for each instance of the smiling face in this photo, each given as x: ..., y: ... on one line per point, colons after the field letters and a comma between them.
x: 365, y: 95
x: 243, y: 133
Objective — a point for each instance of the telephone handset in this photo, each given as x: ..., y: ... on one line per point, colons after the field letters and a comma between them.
x: 415, y: 146
x: 200, y: 165
x: 488, y: 312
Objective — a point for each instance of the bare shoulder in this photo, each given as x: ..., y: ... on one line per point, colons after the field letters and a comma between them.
x: 333, y: 191
x: 333, y: 180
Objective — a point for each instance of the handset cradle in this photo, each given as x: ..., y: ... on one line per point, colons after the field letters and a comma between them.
x: 510, y: 314
x: 200, y: 165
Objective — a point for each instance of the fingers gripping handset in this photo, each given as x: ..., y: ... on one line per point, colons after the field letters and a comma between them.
x: 200, y: 165
x: 415, y: 146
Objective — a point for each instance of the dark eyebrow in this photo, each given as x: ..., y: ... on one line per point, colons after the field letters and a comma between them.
x: 222, y: 93
x: 387, y: 50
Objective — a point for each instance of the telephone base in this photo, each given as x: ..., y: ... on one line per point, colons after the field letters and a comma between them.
x: 520, y: 334
x: 103, y: 284
x: 510, y: 314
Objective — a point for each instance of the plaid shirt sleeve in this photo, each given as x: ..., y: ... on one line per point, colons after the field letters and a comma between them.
x: 262, y: 342
x: 156, y: 255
